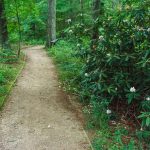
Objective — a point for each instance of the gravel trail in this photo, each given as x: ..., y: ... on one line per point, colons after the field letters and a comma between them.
x: 35, y: 116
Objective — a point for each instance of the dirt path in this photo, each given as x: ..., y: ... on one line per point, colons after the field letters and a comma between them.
x: 35, y: 116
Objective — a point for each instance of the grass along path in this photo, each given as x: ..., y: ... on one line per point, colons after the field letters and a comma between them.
x: 36, y: 116
x: 9, y: 73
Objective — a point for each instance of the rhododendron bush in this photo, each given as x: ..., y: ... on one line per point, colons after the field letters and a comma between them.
x: 117, y: 73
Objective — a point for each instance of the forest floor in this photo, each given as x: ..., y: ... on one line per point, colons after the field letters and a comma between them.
x: 38, y: 115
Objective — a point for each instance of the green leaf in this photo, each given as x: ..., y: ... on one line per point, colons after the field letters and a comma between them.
x: 147, y: 121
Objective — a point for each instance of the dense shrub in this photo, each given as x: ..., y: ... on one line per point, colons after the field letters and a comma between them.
x: 117, y: 73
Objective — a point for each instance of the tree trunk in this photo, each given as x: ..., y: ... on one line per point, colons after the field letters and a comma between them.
x: 3, y: 26
x: 19, y: 27
x: 96, y: 13
x: 51, y: 25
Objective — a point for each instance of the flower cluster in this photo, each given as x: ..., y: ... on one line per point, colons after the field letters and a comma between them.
x: 70, y: 31
x: 108, y: 111
x: 87, y: 60
x: 108, y: 54
x: 142, y: 29
x: 86, y: 74
x: 68, y: 21
x: 125, y: 20
x: 132, y: 90
x: 85, y: 30
x: 78, y: 45
x: 101, y: 38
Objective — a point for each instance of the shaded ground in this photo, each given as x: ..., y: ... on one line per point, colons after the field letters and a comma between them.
x: 35, y: 116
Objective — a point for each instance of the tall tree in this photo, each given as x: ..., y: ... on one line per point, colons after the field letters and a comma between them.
x: 19, y: 26
x: 51, y: 25
x: 3, y: 26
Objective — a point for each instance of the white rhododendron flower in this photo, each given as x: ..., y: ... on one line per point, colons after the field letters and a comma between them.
x: 148, y: 29
x: 86, y: 74
x: 132, y: 89
x: 109, y: 18
x: 141, y: 129
x: 70, y: 31
x: 141, y: 29
x: 108, y: 111
x: 108, y: 55
x: 78, y: 45
x: 125, y: 20
x: 148, y: 98
x: 69, y: 20
x: 101, y: 38
x: 85, y: 30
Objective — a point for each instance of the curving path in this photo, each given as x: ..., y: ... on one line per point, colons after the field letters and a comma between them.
x: 35, y: 116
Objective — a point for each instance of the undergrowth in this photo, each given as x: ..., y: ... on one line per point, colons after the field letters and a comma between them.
x: 10, y: 65
x: 69, y: 66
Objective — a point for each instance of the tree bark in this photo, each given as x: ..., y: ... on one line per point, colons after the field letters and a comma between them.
x: 3, y: 26
x: 51, y: 23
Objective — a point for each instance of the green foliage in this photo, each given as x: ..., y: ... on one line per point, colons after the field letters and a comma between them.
x: 104, y: 140
x: 34, y: 42
x: 2, y: 79
x: 71, y: 10
x: 32, y: 19
x: 146, y: 118
x: 121, y: 60
x: 8, y: 56
x: 69, y: 65
x: 94, y: 117
x: 118, y: 70
x: 7, y: 75
x: 9, y: 68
